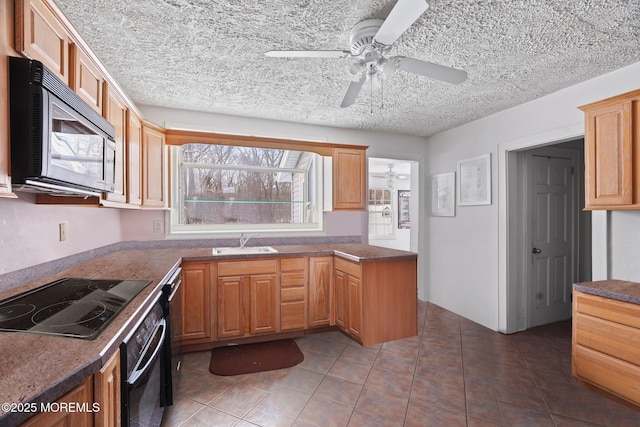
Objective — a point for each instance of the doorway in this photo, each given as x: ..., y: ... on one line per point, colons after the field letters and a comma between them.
x: 393, y: 203
x: 549, y: 233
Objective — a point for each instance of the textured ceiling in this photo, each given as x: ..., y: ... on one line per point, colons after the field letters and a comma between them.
x: 209, y: 55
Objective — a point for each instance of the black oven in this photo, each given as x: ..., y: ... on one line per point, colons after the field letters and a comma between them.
x: 144, y: 368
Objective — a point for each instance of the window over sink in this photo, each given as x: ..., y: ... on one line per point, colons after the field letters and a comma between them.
x: 218, y: 188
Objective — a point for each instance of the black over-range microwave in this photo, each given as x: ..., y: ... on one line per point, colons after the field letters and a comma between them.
x: 59, y: 144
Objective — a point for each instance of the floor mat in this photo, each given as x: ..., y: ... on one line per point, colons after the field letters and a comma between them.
x: 257, y: 357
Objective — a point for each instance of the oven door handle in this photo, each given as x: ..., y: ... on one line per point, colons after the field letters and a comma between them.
x: 140, y: 371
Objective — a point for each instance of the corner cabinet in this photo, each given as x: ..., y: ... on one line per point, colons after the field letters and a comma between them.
x: 349, y: 178
x: 195, y: 296
x: 612, y: 152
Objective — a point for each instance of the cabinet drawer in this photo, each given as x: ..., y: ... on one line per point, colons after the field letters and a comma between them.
x: 292, y: 316
x: 616, y: 376
x: 605, y: 308
x: 607, y: 337
x: 292, y: 294
x: 348, y: 267
x: 293, y: 264
x: 245, y: 268
x: 292, y: 279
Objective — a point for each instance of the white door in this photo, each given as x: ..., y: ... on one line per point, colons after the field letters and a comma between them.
x: 551, y: 237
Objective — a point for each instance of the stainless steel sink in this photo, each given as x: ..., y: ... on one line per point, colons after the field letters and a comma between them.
x: 248, y: 250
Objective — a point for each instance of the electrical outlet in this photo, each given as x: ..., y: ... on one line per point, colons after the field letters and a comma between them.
x: 157, y: 226
x: 62, y: 228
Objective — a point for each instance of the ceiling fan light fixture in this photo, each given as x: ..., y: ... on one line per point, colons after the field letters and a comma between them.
x: 356, y: 68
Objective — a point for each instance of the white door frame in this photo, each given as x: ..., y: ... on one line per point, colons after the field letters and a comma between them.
x: 508, y: 252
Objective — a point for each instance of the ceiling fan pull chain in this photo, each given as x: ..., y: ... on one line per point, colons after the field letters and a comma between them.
x: 371, y: 93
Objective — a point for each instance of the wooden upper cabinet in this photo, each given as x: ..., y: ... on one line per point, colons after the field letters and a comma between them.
x: 349, y: 178
x: 115, y: 111
x: 41, y: 35
x: 86, y: 79
x: 154, y: 168
x: 134, y: 159
x: 612, y: 149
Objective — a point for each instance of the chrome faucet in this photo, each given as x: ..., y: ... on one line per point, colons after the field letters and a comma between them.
x: 244, y: 240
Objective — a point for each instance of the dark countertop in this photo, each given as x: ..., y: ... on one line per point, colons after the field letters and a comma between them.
x: 620, y: 290
x: 40, y: 368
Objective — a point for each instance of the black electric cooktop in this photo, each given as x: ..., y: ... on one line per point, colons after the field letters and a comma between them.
x: 71, y: 307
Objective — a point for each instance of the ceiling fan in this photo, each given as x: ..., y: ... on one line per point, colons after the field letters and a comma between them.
x: 390, y: 174
x: 371, y: 40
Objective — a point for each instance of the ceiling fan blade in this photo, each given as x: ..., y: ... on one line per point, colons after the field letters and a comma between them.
x: 308, y: 54
x: 353, y: 90
x: 435, y: 71
x: 402, y: 16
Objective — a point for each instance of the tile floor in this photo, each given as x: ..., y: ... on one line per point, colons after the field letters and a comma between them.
x: 454, y: 373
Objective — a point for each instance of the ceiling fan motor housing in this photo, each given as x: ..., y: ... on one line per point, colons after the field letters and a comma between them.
x: 362, y: 35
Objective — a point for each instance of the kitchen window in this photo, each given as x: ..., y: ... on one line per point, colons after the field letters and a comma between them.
x: 230, y: 188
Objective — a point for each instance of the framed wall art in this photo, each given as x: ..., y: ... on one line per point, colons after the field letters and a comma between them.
x: 474, y: 181
x: 443, y: 194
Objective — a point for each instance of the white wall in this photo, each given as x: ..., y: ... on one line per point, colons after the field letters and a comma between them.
x: 624, y: 256
x: 29, y: 232
x: 465, y: 254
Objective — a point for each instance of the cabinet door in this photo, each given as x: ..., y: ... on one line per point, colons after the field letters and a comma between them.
x: 106, y: 392
x: 340, y: 284
x: 263, y: 312
x: 134, y: 159
x: 320, y: 289
x: 196, y: 301
x: 353, y: 303
x: 230, y: 306
x: 115, y: 112
x: 83, y: 394
x: 608, y: 155
x: 349, y: 179
x: 86, y: 79
x: 40, y: 35
x: 153, y: 168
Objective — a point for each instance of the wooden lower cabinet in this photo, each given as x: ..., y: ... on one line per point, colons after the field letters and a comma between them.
x: 376, y: 301
x: 293, y: 293
x: 247, y: 298
x: 320, y: 291
x: 348, y: 297
x: 106, y: 393
x: 81, y: 395
x: 605, y: 342
x: 372, y: 301
x: 195, y: 300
